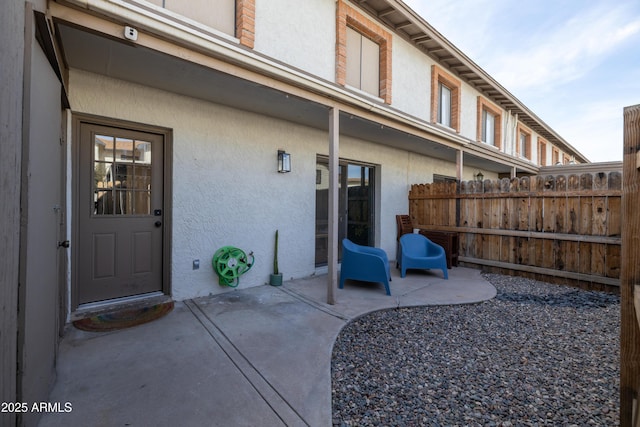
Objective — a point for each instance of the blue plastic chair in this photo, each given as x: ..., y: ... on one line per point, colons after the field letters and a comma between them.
x: 416, y: 251
x: 364, y: 263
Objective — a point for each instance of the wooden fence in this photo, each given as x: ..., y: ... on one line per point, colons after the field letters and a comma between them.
x: 630, y: 277
x: 557, y: 228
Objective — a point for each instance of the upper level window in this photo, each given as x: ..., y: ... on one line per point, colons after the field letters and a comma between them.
x: 542, y: 152
x: 444, y: 105
x: 445, y: 98
x: 235, y: 18
x: 523, y: 142
x: 489, y: 128
x: 363, y: 52
x: 363, y: 62
x: 556, y: 156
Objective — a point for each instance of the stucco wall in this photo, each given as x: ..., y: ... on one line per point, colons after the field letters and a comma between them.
x: 411, y: 79
x: 226, y: 190
x: 303, y: 37
x: 11, y: 70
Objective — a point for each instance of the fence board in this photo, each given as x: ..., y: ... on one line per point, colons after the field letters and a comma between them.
x: 599, y: 216
x: 572, y: 255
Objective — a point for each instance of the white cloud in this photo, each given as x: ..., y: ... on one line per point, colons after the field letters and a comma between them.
x: 595, y: 129
x: 567, y: 53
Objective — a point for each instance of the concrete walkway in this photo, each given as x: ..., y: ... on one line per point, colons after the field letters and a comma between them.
x: 251, y: 357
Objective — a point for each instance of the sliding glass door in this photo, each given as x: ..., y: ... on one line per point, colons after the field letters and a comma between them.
x: 355, y: 206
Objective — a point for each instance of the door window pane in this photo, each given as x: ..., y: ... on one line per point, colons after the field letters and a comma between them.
x: 142, y: 152
x: 102, y: 202
x: 103, y: 148
x: 102, y: 175
x: 141, y: 179
x: 141, y: 203
x: 121, y: 176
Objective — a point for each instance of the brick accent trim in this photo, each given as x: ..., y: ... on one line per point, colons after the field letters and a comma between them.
x: 542, y: 151
x: 522, y: 129
x: 246, y: 22
x: 438, y: 75
x: 347, y: 16
x: 484, y: 104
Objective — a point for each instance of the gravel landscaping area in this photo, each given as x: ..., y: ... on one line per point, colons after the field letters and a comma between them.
x: 536, y: 355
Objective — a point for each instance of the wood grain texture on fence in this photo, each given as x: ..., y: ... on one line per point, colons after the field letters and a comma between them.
x: 630, y: 272
x: 565, y: 226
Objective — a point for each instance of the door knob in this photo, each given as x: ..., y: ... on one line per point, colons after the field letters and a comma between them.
x: 158, y: 223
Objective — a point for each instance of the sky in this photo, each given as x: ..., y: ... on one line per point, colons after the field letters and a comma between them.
x: 573, y: 63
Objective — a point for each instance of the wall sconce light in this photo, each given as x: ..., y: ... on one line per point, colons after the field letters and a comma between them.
x: 479, y: 177
x: 284, y: 162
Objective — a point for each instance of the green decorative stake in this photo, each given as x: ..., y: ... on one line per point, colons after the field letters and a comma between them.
x: 276, y: 278
x: 275, y: 256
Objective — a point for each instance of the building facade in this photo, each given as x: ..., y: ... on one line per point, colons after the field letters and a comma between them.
x: 150, y: 132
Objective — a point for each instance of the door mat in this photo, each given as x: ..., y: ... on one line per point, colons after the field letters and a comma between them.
x: 124, y: 318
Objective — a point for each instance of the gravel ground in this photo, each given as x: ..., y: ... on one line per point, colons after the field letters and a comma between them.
x: 536, y: 355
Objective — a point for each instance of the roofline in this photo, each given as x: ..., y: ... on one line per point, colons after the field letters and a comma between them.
x: 451, y: 50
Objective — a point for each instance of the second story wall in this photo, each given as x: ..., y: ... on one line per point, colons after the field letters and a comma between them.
x: 301, y: 34
x: 411, y: 79
x: 339, y: 41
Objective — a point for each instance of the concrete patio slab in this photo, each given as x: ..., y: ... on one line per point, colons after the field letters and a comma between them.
x: 252, y: 357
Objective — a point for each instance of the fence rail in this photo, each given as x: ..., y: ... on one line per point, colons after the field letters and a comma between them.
x: 557, y: 226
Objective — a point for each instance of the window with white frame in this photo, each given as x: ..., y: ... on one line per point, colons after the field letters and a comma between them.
x: 542, y: 152
x: 489, y: 130
x: 523, y: 141
x: 444, y: 106
x: 445, y: 98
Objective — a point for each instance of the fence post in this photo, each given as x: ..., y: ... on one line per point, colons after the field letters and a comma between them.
x: 630, y: 269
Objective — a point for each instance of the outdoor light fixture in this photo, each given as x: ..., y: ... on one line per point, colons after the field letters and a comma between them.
x: 284, y: 162
x: 479, y: 177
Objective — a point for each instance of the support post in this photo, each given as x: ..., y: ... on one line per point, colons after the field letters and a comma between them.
x: 630, y: 272
x: 332, y: 256
x: 514, y: 172
x: 459, y: 165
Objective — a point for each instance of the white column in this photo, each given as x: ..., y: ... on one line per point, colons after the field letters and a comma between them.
x: 332, y: 256
x: 459, y: 165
